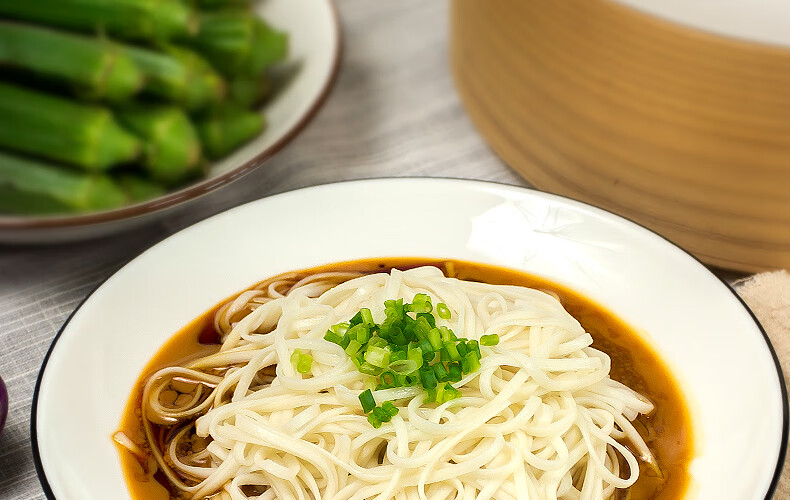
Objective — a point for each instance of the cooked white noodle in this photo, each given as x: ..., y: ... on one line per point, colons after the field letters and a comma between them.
x: 540, y: 419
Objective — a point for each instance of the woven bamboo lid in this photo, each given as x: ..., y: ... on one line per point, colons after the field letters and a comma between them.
x: 683, y: 130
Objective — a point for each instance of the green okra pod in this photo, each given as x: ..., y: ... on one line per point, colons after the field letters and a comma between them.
x: 94, y: 67
x: 63, y: 130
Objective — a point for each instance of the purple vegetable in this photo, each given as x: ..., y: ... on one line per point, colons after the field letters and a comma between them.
x: 3, y: 404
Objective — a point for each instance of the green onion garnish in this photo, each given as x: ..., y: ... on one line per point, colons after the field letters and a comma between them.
x: 374, y: 420
x: 440, y: 371
x: 378, y: 356
x: 415, y: 354
x: 390, y: 408
x: 454, y: 372
x: 447, y: 334
x: 452, y: 350
x: 369, y: 369
x: 409, y: 379
x: 473, y: 362
x: 367, y: 401
x: 353, y: 347
x: 435, y: 338
x: 473, y: 346
x: 404, y: 366
x: 367, y: 317
x: 489, y: 340
x: 428, y: 378
x: 439, y: 398
x: 302, y: 362
x: 333, y: 337
x: 406, y: 349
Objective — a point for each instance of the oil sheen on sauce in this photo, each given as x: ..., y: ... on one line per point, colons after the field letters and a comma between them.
x: 667, y: 430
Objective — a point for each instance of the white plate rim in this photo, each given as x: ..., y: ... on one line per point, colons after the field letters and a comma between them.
x: 779, y: 372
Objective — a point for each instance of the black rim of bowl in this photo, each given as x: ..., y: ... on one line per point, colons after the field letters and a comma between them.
x: 785, y: 411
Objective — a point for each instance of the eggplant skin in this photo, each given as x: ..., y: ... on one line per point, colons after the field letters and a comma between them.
x: 3, y: 405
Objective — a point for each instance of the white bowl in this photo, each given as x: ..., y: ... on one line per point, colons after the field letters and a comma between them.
x: 314, y: 53
x: 707, y: 336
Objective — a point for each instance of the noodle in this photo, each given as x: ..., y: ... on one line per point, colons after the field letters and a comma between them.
x: 540, y: 418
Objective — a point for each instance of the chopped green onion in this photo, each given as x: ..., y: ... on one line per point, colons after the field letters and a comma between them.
x: 304, y: 363
x: 450, y: 393
x: 421, y: 298
x: 346, y: 340
x: 369, y: 369
x: 393, y: 308
x: 439, y: 398
x: 431, y: 395
x: 428, y: 378
x: 440, y: 371
x: 358, y: 332
x: 377, y: 356
x: 374, y: 421
x: 426, y: 347
x: 435, y: 338
x: 367, y: 400
x: 474, y: 362
x: 447, y: 334
x: 415, y: 354
x: 388, y: 378
x: 489, y: 340
x: 473, y: 346
x: 367, y: 316
x: 452, y: 350
x: 333, y: 337
x: 408, y: 379
x: 421, y: 327
x: 382, y: 414
x: 340, y: 328
x: 376, y: 341
x: 454, y: 372
x: 398, y: 337
x: 356, y: 320
x: 420, y: 304
x: 389, y: 408
x: 363, y: 335
x: 353, y: 347
x: 404, y: 365
x: 406, y: 349
x: 462, y: 350
x: 427, y: 317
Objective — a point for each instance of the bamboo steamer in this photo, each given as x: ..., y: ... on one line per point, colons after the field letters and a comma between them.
x: 683, y: 128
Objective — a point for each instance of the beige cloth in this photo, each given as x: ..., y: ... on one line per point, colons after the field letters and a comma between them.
x: 768, y: 296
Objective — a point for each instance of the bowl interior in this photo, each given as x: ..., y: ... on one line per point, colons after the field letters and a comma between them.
x: 708, y: 338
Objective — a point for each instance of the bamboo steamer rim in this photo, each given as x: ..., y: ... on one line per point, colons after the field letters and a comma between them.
x: 757, y: 21
x: 679, y: 128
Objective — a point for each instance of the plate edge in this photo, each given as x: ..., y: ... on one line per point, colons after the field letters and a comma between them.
x: 779, y: 372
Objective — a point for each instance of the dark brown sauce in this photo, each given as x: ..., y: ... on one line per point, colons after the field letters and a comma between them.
x: 667, y: 430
